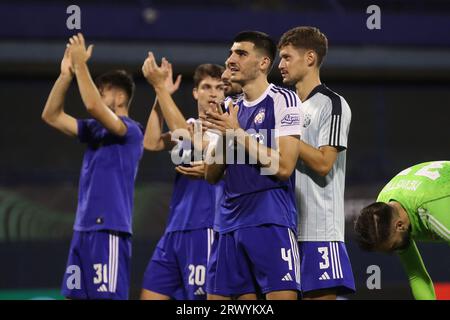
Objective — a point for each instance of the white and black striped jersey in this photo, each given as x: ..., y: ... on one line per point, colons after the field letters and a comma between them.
x: 320, y: 200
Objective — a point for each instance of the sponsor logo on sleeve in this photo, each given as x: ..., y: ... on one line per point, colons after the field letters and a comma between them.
x: 290, y: 119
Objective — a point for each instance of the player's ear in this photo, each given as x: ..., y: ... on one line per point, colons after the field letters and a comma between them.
x: 265, y: 64
x: 400, y: 226
x: 195, y: 93
x: 120, y: 98
x: 310, y: 57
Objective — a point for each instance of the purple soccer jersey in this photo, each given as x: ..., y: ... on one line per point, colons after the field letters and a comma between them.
x: 256, y: 247
x: 108, y: 172
x: 252, y: 198
x: 193, y: 204
x: 194, y: 201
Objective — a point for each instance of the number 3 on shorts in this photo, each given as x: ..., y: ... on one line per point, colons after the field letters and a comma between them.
x: 324, y: 252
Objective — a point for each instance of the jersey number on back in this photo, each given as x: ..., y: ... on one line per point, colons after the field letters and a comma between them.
x: 426, y: 171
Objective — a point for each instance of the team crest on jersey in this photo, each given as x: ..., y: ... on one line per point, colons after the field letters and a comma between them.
x: 259, y: 118
x: 307, y: 120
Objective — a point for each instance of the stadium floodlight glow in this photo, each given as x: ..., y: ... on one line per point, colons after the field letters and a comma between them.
x: 150, y: 15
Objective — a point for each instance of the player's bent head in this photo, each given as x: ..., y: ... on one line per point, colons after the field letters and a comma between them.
x: 263, y: 44
x: 207, y: 70
x: 306, y: 38
x: 119, y: 80
x: 373, y: 227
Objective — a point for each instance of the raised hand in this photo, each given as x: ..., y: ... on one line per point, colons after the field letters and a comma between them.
x: 216, y: 121
x: 170, y: 85
x: 66, y: 64
x: 77, y: 50
x: 155, y: 75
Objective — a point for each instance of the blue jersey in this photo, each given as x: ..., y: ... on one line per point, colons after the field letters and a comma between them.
x: 194, y: 201
x: 253, y: 199
x: 110, y: 165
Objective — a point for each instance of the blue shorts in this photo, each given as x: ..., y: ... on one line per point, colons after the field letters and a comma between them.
x: 325, y: 265
x: 98, y: 266
x: 178, y: 265
x: 254, y: 259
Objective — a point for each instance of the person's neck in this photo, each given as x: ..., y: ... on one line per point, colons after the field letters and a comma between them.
x: 307, y: 84
x: 401, y: 212
x: 201, y: 111
x: 255, y: 88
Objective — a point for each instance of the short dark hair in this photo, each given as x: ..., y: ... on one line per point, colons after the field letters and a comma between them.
x: 207, y: 70
x: 306, y: 38
x: 118, y: 79
x: 373, y: 226
x: 262, y: 41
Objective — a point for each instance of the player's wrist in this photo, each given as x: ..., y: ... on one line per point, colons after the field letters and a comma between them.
x: 67, y: 76
x: 159, y: 87
x: 79, y: 66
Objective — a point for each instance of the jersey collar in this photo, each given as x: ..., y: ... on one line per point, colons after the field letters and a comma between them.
x: 317, y: 89
x: 257, y: 101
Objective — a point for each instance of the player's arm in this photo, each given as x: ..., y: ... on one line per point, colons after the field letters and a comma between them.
x: 320, y: 160
x: 161, y: 80
x: 154, y: 138
x: 419, y: 279
x: 53, y: 113
x: 215, y: 162
x: 333, y: 131
x: 279, y: 162
x: 89, y: 92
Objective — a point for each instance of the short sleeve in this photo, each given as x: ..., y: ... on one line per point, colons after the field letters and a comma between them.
x: 334, y: 123
x: 135, y: 130
x: 287, y: 114
x: 85, y: 132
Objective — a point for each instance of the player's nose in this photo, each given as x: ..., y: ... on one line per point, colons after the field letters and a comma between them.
x: 230, y: 60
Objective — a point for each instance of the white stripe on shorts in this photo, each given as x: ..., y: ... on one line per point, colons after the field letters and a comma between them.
x: 113, y: 261
x: 295, y: 254
x: 331, y: 258
x: 339, y: 260
x: 210, y: 233
x: 110, y: 262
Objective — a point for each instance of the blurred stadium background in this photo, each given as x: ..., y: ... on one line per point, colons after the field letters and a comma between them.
x: 396, y: 80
